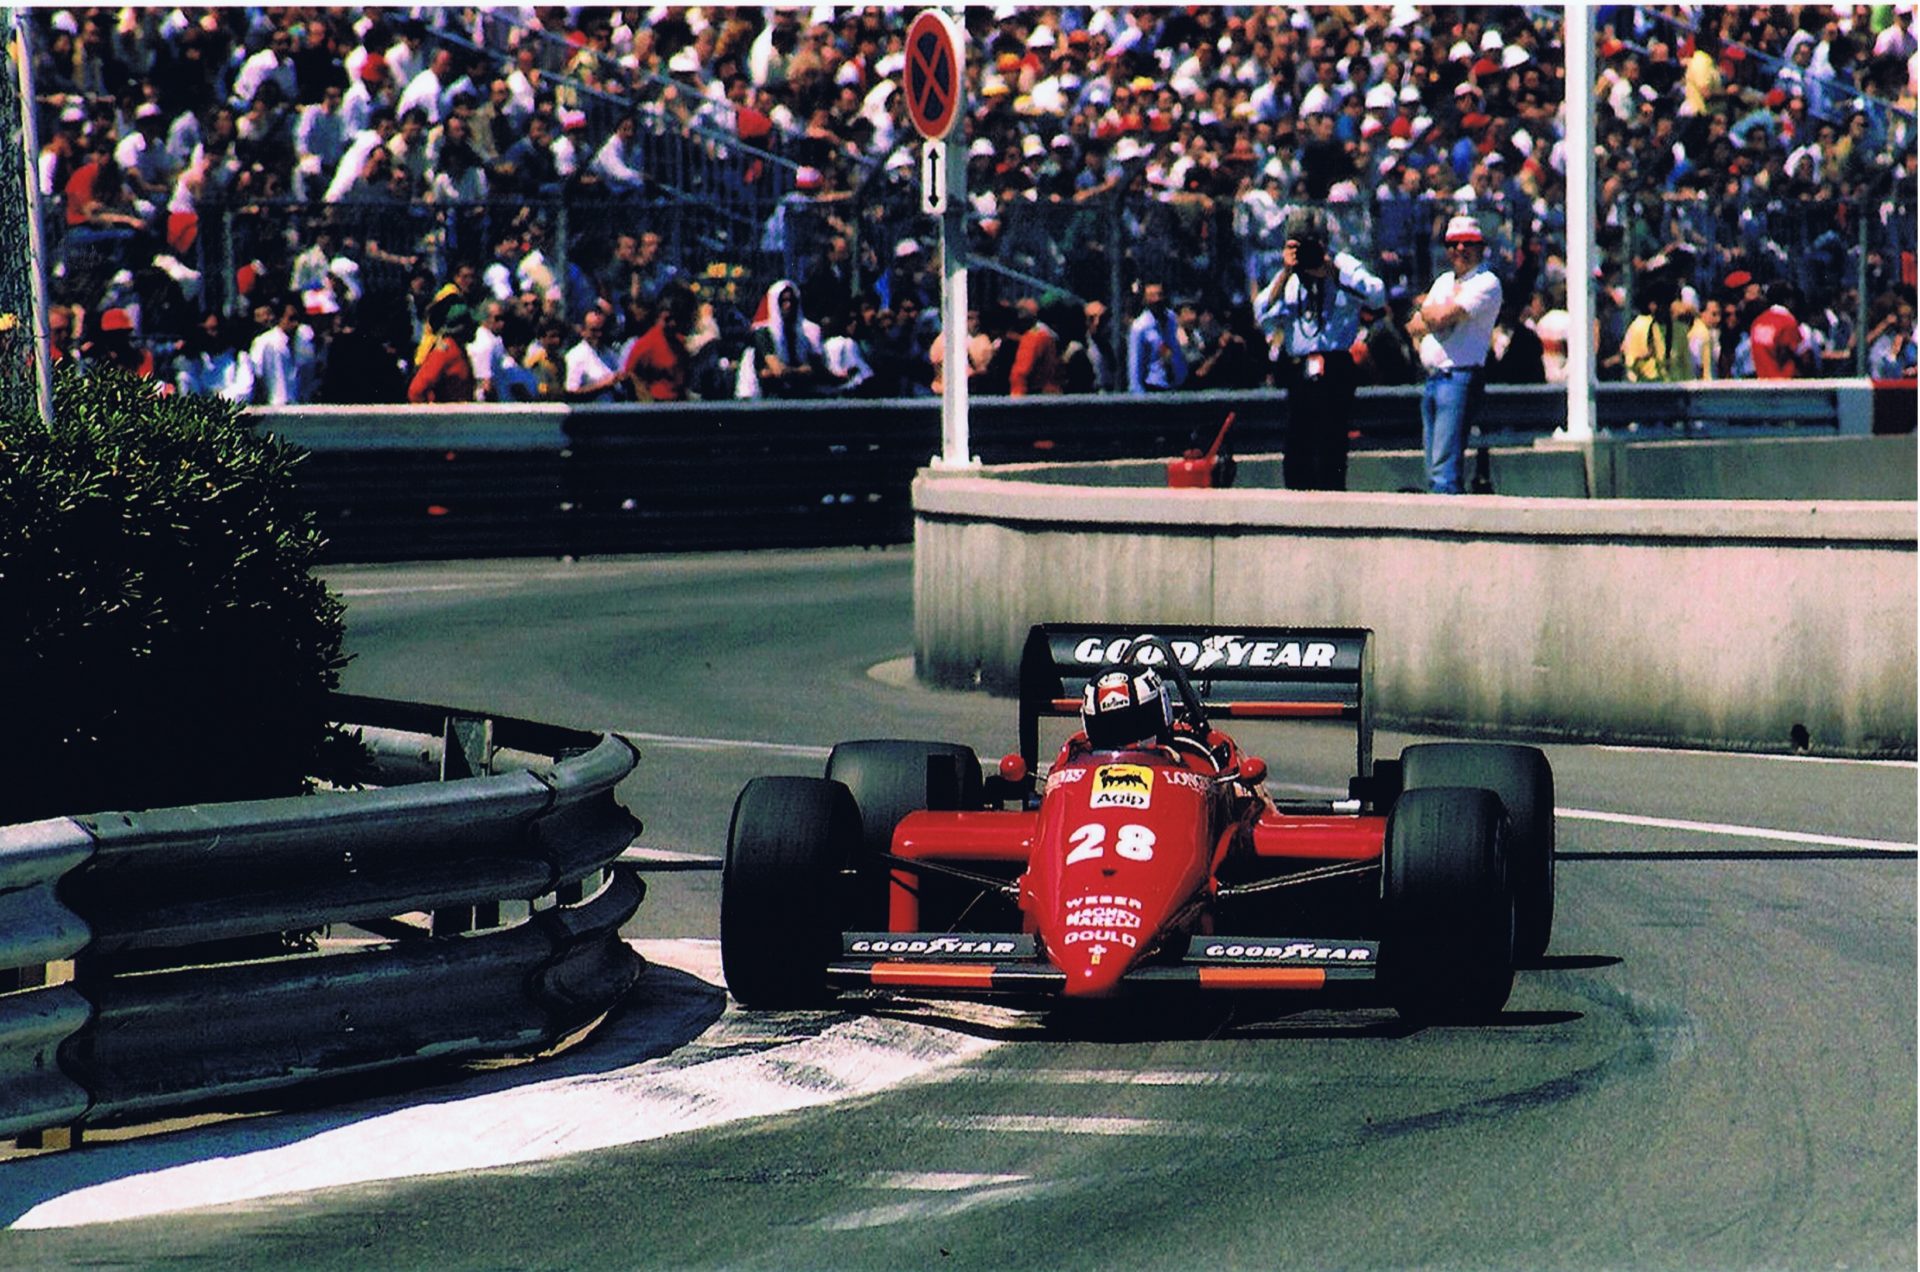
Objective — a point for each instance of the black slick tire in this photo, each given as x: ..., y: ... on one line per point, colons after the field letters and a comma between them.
x: 890, y: 778
x: 1446, y: 947
x: 779, y: 890
x: 1522, y: 778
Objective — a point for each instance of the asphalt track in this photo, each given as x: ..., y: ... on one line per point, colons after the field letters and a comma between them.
x: 1713, y: 1069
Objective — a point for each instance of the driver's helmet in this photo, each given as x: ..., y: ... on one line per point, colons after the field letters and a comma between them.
x: 1126, y: 706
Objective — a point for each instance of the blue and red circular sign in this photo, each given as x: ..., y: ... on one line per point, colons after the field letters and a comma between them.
x: 932, y: 79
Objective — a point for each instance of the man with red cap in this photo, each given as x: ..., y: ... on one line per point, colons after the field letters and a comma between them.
x: 1453, y: 326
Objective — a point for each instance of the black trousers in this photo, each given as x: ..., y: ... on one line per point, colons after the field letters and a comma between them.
x: 1319, y: 415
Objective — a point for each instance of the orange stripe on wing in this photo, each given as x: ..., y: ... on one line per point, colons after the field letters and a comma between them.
x: 1283, y: 710
x: 1263, y: 978
x: 958, y: 975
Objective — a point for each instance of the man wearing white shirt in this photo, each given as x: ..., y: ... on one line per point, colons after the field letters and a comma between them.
x: 281, y: 356
x: 592, y: 367
x: 319, y: 139
x: 275, y: 62
x: 426, y: 91
x: 347, y: 173
x: 488, y: 353
x: 617, y: 163
x: 1453, y: 325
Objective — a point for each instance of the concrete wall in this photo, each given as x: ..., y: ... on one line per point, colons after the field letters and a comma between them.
x: 1656, y: 621
x: 1621, y: 466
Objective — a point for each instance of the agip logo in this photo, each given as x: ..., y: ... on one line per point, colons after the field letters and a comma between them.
x: 1122, y: 786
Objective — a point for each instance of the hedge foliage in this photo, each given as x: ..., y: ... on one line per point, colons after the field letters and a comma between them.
x: 162, y: 638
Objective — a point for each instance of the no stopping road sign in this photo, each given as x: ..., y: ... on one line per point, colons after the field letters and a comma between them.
x: 932, y: 79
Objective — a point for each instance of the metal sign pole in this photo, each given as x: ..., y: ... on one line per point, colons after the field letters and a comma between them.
x: 955, y: 441
x: 1576, y: 36
x: 36, y: 235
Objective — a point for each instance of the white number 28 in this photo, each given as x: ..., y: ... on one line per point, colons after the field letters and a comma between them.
x: 1132, y: 841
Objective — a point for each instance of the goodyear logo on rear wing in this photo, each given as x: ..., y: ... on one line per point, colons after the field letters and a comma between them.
x: 1215, y: 653
x: 936, y: 945
x: 1122, y: 786
x: 1269, y: 950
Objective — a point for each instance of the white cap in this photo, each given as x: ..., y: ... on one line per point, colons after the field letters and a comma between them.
x: 1464, y: 229
x: 1042, y: 38
x: 905, y: 248
x: 1127, y: 149
x: 980, y: 149
x: 686, y: 61
x: 899, y: 159
x: 1490, y: 41
x: 1031, y: 145
x: 1514, y: 55
x: 1461, y: 51
x: 1380, y: 97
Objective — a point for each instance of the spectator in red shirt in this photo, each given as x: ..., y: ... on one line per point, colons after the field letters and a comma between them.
x: 446, y: 373
x: 1779, y: 342
x: 1036, y: 363
x: 657, y: 365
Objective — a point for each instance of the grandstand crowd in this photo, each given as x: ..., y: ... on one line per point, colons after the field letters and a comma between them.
x: 517, y: 204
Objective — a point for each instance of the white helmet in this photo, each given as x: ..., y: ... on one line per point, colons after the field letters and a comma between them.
x: 1126, y: 706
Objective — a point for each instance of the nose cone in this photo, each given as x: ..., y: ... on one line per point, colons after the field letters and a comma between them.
x: 1093, y: 966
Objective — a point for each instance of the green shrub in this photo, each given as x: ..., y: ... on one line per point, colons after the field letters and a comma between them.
x: 162, y: 639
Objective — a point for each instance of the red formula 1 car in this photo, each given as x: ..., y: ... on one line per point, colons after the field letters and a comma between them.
x: 1151, y: 856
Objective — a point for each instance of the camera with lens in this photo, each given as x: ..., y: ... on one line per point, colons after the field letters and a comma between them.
x: 1309, y: 253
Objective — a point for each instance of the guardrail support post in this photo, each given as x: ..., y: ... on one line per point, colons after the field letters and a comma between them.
x: 467, y: 749
x: 57, y: 1139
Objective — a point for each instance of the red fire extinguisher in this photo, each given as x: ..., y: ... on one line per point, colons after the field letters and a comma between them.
x: 1204, y: 470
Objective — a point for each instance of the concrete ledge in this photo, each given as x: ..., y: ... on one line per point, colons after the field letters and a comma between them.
x: 1744, y: 624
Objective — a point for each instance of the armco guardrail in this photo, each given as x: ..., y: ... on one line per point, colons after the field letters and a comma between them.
x: 449, y: 481
x: 525, y: 813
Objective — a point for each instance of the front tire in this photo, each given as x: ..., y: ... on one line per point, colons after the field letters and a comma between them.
x: 889, y: 779
x: 1522, y: 778
x: 1446, y: 948
x: 779, y: 890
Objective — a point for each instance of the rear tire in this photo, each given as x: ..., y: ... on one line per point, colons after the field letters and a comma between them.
x: 889, y: 779
x: 779, y: 917
x: 1446, y: 948
x: 1522, y: 778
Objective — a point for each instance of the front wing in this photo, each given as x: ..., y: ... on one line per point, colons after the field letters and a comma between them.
x: 1011, y: 963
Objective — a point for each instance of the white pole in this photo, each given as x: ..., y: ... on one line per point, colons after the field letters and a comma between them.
x: 954, y: 436
x: 1576, y: 37
x: 36, y: 236
x: 955, y: 439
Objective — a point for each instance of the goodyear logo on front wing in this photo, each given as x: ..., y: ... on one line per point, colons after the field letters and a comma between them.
x: 1122, y: 786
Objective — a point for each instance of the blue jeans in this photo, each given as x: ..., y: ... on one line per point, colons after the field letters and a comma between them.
x: 1443, y: 431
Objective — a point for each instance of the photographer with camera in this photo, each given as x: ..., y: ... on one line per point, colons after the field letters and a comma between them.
x: 1313, y: 305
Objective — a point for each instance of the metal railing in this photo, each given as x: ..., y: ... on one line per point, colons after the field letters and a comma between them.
x: 162, y: 931
x: 437, y: 482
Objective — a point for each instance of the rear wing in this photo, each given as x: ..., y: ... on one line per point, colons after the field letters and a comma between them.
x: 1258, y: 673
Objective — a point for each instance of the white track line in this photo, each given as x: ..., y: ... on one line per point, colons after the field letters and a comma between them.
x: 1057, y: 1124
x: 677, y: 742
x: 1735, y: 832
x: 1758, y: 755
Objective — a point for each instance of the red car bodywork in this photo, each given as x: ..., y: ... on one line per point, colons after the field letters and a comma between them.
x: 1119, y: 856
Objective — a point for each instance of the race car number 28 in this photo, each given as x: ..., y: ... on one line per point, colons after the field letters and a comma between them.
x: 1132, y: 841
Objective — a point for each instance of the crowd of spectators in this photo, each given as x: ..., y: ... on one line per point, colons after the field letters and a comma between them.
x: 390, y: 179
x: 1753, y: 186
